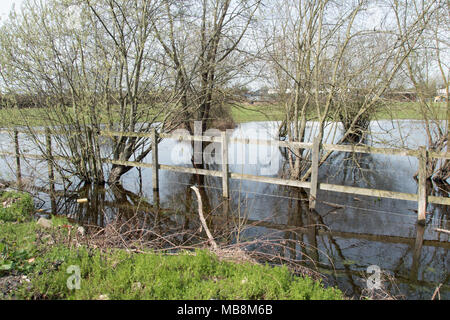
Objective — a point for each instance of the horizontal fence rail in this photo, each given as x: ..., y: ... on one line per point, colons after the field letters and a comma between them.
x: 313, y: 185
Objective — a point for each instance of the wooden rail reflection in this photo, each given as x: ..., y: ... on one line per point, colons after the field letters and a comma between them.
x: 314, y: 185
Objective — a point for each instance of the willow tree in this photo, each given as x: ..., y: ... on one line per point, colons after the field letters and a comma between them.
x: 420, y: 67
x: 90, y: 65
x: 334, y: 64
x: 202, y: 40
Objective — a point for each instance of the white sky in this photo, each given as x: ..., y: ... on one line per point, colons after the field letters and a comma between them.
x: 5, y: 7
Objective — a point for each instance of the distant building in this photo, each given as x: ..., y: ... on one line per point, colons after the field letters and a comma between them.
x: 263, y: 95
x: 442, y: 92
x: 276, y: 91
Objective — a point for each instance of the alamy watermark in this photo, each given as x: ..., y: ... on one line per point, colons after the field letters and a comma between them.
x: 265, y: 156
x: 374, y: 281
x: 74, y: 281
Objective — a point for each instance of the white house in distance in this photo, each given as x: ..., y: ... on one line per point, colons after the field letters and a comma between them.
x: 442, y: 92
x: 276, y: 91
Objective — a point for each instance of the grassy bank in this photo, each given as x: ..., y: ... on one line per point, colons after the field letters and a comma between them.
x: 40, y: 263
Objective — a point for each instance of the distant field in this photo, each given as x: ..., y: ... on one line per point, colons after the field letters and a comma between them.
x: 399, y: 110
x: 412, y: 110
x: 240, y: 113
x: 38, y: 116
x: 256, y: 112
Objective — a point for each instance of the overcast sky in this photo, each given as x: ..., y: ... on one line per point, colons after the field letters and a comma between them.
x: 5, y: 7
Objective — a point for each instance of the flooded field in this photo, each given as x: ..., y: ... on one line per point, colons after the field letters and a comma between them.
x: 342, y: 237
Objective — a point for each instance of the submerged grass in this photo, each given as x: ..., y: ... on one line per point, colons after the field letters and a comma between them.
x: 43, y: 257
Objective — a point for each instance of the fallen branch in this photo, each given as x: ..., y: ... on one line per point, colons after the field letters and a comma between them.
x: 437, y: 292
x: 334, y: 205
x: 202, y: 218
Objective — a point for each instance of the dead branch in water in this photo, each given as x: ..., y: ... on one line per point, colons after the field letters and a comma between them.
x: 442, y: 230
x: 202, y: 218
x: 437, y: 292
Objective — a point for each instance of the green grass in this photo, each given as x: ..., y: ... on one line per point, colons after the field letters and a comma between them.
x: 117, y: 274
x: 11, y: 117
x: 43, y: 256
x: 412, y: 110
x: 16, y: 248
x: 257, y: 112
x: 240, y: 113
x: 35, y: 117
x: 397, y: 110
x: 15, y: 206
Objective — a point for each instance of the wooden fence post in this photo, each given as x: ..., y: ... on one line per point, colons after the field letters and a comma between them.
x: 155, y: 166
x: 17, y: 151
x: 314, y: 172
x: 422, y: 188
x: 225, y: 180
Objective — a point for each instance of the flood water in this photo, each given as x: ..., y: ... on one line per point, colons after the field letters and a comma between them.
x: 343, y: 236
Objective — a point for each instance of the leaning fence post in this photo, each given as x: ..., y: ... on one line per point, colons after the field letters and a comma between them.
x: 17, y: 150
x: 314, y: 173
x: 155, y: 166
x: 225, y: 180
x: 422, y: 189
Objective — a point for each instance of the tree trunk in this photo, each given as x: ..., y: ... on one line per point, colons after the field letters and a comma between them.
x: 116, y: 172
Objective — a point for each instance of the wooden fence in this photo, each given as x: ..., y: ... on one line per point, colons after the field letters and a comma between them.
x: 313, y: 185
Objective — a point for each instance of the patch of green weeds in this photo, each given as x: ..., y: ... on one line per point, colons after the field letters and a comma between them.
x: 15, y: 206
x: 117, y: 274
x: 17, y: 248
x: 28, y: 249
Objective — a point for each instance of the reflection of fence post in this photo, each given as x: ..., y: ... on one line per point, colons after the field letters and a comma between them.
x: 225, y: 180
x: 422, y: 189
x: 314, y: 172
x: 155, y: 166
x: 418, y: 243
x: 51, y: 173
x: 17, y: 150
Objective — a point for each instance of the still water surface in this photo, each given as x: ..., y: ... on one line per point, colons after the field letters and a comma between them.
x: 344, y: 235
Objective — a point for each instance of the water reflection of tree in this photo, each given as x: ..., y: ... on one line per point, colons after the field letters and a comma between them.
x: 103, y: 204
x: 359, y: 169
x: 441, y: 213
x: 304, y: 243
x: 299, y: 213
x: 302, y: 233
x: 90, y: 213
x: 348, y: 272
